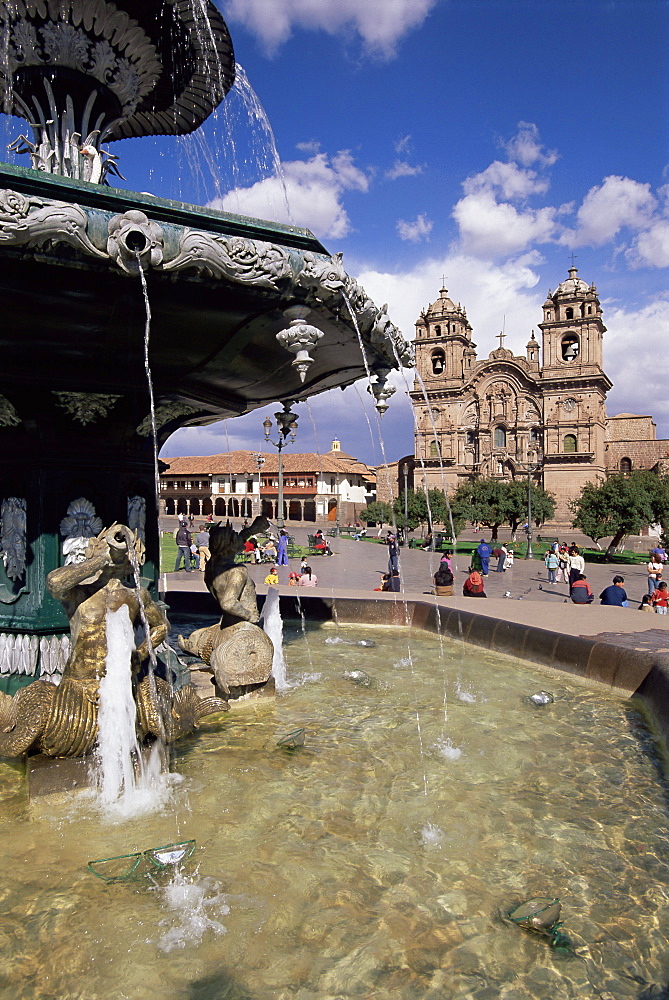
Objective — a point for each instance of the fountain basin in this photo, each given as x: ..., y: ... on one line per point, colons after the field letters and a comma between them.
x: 380, y: 856
x: 622, y: 662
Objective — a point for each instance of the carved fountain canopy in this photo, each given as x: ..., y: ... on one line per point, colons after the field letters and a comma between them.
x: 128, y: 67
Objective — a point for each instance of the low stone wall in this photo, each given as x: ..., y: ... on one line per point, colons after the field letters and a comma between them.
x: 640, y: 673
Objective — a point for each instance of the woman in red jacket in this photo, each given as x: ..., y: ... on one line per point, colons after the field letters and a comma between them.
x: 473, y: 585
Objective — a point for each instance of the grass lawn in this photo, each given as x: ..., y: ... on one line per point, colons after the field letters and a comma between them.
x: 168, y: 553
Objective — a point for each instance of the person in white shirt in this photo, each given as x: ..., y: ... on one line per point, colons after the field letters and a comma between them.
x: 576, y: 564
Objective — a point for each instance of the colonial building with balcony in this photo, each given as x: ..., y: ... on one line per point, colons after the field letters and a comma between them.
x: 242, y: 484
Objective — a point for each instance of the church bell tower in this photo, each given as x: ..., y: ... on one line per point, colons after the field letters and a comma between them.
x: 574, y: 388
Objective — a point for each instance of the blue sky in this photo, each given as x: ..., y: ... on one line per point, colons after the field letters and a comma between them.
x: 484, y: 141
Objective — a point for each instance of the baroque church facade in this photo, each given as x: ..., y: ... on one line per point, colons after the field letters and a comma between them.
x: 542, y: 415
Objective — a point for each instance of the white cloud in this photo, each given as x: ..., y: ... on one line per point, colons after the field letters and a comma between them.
x: 616, y: 203
x: 488, y: 291
x: 403, y: 145
x: 380, y: 24
x: 415, y: 231
x: 506, y: 179
x: 309, y: 196
x: 401, y: 168
x: 636, y: 359
x: 309, y: 147
x: 652, y: 246
x: 489, y: 228
x: 490, y: 225
x: 525, y: 147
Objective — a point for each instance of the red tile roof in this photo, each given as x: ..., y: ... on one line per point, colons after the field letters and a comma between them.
x: 243, y: 463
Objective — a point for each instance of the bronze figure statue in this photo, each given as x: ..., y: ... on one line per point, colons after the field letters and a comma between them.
x: 238, y: 652
x: 62, y: 720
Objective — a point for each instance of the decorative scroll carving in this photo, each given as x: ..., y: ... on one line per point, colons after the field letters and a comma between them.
x: 13, y: 536
x: 322, y: 281
x: 33, y: 222
x: 248, y: 261
x: 8, y: 415
x: 86, y: 407
x: 324, y: 278
x: 385, y: 335
x: 503, y: 354
x: 164, y: 414
x: 107, y: 44
x: 359, y: 302
x: 470, y: 416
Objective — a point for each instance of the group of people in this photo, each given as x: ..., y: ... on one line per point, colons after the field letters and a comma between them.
x: 564, y: 563
x: 273, y: 550
x: 657, y: 598
x: 194, y: 553
x: 305, y: 578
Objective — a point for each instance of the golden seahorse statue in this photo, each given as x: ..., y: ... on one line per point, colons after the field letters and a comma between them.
x: 62, y: 720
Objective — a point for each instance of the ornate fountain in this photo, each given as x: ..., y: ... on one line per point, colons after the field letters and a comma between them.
x: 242, y: 312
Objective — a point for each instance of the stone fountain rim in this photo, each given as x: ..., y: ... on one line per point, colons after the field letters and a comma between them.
x: 33, y: 182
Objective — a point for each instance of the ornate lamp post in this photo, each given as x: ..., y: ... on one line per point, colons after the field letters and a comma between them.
x: 532, y: 466
x: 286, y: 422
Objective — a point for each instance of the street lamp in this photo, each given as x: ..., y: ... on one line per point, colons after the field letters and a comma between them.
x: 286, y: 423
x: 532, y: 466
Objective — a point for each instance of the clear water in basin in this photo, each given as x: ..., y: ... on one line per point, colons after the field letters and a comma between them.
x: 374, y: 861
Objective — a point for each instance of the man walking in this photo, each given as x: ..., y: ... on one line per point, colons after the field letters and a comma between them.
x: 484, y: 552
x: 184, y: 542
x: 202, y: 542
x: 393, y: 554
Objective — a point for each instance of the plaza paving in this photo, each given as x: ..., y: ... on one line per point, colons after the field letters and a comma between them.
x: 356, y: 568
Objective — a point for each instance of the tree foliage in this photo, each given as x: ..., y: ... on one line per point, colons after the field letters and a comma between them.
x: 494, y: 502
x: 421, y: 509
x: 376, y: 512
x: 622, y: 505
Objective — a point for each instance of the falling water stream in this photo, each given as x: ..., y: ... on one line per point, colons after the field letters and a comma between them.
x: 273, y: 627
x: 363, y: 352
x: 128, y: 782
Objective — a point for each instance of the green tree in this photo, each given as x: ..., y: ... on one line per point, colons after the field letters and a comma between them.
x: 621, y: 505
x: 425, y: 510
x: 516, y: 507
x: 494, y: 502
x: 377, y: 512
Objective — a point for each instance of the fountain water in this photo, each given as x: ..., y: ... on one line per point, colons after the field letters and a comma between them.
x: 273, y: 626
x: 129, y: 784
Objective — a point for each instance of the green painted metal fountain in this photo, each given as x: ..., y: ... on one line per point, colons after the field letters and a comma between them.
x: 238, y: 306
